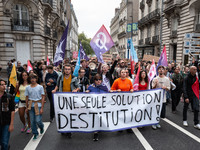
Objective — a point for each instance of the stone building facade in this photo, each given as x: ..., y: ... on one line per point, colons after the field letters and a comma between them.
x: 149, y: 27
x: 126, y: 14
x: 31, y: 29
x: 180, y: 17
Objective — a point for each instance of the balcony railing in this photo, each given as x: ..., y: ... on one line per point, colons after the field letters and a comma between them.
x: 47, y: 30
x: 170, y: 5
x: 147, y: 40
x: 22, y: 25
x: 153, y: 16
x: 122, y: 34
x: 174, y: 34
x: 155, y: 39
x: 141, y: 42
x: 197, y: 29
x: 50, y: 2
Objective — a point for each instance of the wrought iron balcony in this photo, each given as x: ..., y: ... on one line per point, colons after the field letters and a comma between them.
x: 174, y: 34
x: 122, y: 34
x: 197, y: 29
x: 147, y: 40
x: 22, y: 25
x: 141, y: 42
x: 171, y: 5
x: 47, y: 30
x: 151, y: 17
x: 155, y: 39
x: 50, y: 2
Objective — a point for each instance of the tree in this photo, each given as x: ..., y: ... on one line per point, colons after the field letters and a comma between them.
x: 85, y: 43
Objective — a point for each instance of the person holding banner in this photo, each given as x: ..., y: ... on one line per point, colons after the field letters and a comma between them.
x: 97, y: 86
x: 161, y: 81
x: 122, y: 84
x: 67, y: 83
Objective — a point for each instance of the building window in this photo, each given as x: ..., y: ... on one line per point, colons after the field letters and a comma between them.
x: 157, y: 4
x: 21, y: 12
x: 149, y: 9
x: 174, y: 24
x: 142, y: 13
x: 142, y: 34
x: 198, y: 18
x: 156, y: 29
x: 149, y: 31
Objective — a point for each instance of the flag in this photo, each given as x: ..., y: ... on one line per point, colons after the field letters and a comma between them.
x: 136, y: 82
x: 13, y: 76
x: 29, y: 66
x: 48, y: 63
x: 77, y: 67
x: 195, y: 88
x: 60, y: 49
x: 152, y: 72
x: 101, y: 43
x: 82, y: 53
x: 163, y: 58
x: 133, y: 54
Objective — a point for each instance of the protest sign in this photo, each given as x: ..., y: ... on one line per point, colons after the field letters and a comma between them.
x: 89, y: 112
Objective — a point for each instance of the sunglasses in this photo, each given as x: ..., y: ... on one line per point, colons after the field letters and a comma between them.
x: 97, y: 79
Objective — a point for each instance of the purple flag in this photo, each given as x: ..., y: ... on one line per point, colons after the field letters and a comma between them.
x: 82, y: 53
x: 60, y: 49
x: 101, y: 43
x: 163, y: 58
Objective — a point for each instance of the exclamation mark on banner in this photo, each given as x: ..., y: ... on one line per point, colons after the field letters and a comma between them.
x: 158, y: 110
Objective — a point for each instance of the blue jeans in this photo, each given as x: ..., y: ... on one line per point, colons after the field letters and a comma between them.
x: 36, y: 121
x: 4, y: 136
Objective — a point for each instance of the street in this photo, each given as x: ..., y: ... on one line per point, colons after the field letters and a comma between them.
x: 172, y: 136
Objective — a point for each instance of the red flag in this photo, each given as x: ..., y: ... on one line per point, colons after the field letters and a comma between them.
x: 152, y: 72
x: 136, y: 82
x: 48, y: 63
x: 132, y: 66
x: 29, y: 66
x: 195, y: 88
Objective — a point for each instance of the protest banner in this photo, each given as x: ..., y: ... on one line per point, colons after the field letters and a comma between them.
x: 89, y: 112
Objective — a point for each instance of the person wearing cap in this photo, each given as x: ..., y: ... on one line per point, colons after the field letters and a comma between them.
x: 161, y: 81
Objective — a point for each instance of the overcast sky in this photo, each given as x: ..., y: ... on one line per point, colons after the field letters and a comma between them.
x: 92, y: 14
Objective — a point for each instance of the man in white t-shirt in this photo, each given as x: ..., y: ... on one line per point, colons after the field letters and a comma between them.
x: 161, y: 81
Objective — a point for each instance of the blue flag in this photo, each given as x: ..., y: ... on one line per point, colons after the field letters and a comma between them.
x: 82, y: 53
x: 60, y: 49
x: 77, y: 67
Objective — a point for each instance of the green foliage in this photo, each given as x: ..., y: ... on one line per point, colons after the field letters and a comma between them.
x: 85, y: 43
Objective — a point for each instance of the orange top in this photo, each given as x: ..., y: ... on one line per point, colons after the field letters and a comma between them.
x: 123, y: 85
x: 66, y: 84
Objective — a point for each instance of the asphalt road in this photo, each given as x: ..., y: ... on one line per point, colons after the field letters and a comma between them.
x: 169, y: 137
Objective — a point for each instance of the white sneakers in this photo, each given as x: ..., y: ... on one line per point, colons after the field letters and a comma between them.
x: 197, y: 126
x: 185, y: 123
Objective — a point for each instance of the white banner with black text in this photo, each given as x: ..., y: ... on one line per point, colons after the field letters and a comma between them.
x: 89, y: 112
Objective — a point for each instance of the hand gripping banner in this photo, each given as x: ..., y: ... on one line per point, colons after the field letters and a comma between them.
x: 89, y: 112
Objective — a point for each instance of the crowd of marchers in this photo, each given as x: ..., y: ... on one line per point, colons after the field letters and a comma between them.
x: 36, y: 87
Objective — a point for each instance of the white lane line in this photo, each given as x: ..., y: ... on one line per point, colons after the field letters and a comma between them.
x: 32, y: 145
x: 144, y: 142
x: 183, y: 130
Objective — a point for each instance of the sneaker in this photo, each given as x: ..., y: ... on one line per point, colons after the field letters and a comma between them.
x: 154, y: 127
x: 41, y: 130
x: 158, y: 126
x: 185, y: 123
x: 197, y: 126
x: 35, y: 136
x: 28, y: 131
x: 95, y: 138
x: 24, y: 128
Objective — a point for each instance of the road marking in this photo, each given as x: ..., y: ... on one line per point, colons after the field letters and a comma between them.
x: 144, y: 142
x: 183, y: 130
x: 32, y: 145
